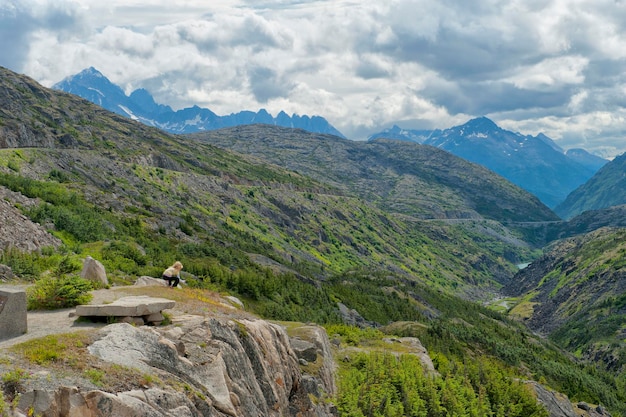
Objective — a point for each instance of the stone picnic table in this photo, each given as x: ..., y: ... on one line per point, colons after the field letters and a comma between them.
x: 139, y: 310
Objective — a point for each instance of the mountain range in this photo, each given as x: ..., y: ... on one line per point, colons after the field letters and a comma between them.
x: 535, y: 163
x: 92, y: 85
x: 313, y: 227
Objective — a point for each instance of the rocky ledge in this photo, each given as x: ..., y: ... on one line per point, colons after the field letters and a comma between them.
x: 231, y: 368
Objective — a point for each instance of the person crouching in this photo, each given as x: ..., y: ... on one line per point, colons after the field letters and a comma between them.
x: 172, y: 274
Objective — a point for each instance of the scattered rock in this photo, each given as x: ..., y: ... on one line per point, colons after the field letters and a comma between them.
x: 558, y: 405
x: 6, y: 273
x: 18, y: 231
x: 416, y: 348
x: 304, y: 350
x: 353, y: 318
x: 235, y: 301
x: 93, y: 270
x: 146, y: 281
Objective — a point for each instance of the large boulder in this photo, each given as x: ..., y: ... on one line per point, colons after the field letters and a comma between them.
x: 93, y: 270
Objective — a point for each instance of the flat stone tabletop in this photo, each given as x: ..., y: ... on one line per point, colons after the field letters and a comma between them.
x: 134, y: 306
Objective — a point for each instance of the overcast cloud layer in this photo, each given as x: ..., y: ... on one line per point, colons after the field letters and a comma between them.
x: 551, y: 66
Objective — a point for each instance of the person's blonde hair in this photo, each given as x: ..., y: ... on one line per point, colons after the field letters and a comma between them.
x: 177, y: 265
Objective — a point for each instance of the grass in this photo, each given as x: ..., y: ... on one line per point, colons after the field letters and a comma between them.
x: 51, y: 348
x: 67, y: 355
x: 523, y: 308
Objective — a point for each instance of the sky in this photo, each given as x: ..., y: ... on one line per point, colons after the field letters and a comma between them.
x: 556, y: 67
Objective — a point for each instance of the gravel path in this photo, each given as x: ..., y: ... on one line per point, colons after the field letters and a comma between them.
x: 43, y: 323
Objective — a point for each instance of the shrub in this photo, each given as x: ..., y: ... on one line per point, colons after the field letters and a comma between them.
x: 124, y: 256
x: 96, y: 376
x: 66, y: 266
x: 23, y: 264
x: 12, y: 382
x: 54, y: 293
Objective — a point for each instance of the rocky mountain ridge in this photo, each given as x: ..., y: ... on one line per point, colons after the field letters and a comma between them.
x: 92, y: 85
x: 399, y: 176
x: 534, y: 163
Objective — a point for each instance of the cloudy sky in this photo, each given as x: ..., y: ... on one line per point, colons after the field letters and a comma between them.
x: 551, y: 66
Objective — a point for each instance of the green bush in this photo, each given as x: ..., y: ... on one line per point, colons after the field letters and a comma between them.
x: 11, y: 385
x: 23, y: 264
x: 66, y: 266
x: 53, y: 293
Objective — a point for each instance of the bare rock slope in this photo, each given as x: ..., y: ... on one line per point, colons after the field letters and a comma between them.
x: 18, y: 231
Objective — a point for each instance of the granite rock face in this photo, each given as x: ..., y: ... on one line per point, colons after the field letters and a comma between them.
x: 236, y: 368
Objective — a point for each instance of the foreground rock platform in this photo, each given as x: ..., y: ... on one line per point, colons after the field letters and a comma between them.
x: 132, y: 309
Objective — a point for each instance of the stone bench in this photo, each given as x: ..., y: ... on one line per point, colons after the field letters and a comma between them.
x: 13, y: 320
x: 137, y: 310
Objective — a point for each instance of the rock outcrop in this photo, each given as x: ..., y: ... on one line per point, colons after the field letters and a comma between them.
x: 558, y: 405
x: 230, y: 368
x: 20, y: 232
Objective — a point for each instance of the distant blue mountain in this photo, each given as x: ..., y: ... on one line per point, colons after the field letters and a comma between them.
x: 91, y: 85
x: 534, y: 163
x: 409, y: 135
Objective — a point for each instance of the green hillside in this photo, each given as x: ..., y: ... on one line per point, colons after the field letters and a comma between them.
x: 94, y: 173
x: 605, y: 189
x: 576, y: 294
x: 399, y: 177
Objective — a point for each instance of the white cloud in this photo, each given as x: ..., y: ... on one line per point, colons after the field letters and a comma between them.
x: 551, y: 73
x: 557, y: 65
